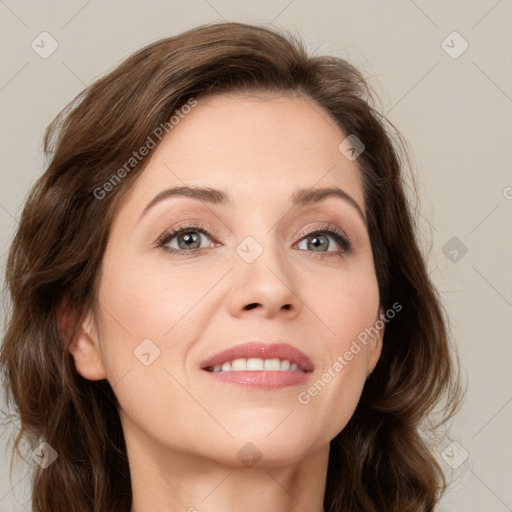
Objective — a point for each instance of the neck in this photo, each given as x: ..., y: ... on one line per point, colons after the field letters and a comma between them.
x: 172, y: 481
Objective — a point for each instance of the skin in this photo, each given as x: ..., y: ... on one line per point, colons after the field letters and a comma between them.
x: 183, y: 428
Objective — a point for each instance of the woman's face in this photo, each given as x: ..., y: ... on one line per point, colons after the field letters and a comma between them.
x: 263, y: 265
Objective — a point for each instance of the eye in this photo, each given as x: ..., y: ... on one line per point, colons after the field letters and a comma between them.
x: 184, y: 239
x: 320, y: 241
x: 188, y: 239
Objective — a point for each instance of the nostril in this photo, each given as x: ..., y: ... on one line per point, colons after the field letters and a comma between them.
x: 251, y: 306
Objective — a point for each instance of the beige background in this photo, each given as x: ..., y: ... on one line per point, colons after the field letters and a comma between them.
x: 456, y: 114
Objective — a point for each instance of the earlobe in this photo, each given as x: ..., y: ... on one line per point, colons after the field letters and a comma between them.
x: 86, y: 351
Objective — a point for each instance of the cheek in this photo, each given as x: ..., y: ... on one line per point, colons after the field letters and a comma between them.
x: 149, y: 323
x: 154, y: 303
x: 344, y: 303
x: 348, y: 313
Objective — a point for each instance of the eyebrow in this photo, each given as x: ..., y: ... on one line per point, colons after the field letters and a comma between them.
x: 299, y: 198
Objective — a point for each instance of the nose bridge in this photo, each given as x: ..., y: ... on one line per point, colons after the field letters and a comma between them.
x: 259, y: 254
x: 260, y: 243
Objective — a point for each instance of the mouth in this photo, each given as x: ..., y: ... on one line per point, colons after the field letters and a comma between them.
x: 260, y: 365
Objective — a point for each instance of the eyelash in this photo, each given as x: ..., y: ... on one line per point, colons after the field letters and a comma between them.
x: 339, y: 236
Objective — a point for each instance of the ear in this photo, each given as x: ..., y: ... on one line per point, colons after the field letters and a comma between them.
x: 84, y: 347
x: 375, y: 346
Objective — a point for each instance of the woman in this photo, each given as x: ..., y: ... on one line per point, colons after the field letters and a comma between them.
x: 218, y: 297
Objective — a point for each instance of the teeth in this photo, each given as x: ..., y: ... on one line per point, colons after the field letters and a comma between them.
x: 239, y: 365
x: 272, y: 365
x: 253, y: 364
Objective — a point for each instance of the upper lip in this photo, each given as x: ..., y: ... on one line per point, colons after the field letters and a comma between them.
x: 261, y: 350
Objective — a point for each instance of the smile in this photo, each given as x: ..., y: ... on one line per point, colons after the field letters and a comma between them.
x: 259, y: 365
x: 254, y: 364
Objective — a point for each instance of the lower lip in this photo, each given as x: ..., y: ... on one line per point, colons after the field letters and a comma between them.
x: 262, y: 379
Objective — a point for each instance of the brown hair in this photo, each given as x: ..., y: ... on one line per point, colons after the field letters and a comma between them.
x: 379, y: 461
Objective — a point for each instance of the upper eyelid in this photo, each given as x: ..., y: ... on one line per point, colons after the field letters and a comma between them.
x: 208, y: 231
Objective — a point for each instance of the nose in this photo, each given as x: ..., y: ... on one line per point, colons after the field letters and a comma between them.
x: 265, y: 287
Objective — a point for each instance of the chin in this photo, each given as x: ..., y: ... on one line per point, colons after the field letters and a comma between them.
x: 263, y: 450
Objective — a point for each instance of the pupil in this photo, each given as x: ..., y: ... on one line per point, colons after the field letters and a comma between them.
x: 317, y: 242
x: 189, y: 239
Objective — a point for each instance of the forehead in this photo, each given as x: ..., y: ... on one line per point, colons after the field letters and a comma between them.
x: 257, y: 147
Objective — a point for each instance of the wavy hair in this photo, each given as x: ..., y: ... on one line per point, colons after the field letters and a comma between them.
x: 380, y: 461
